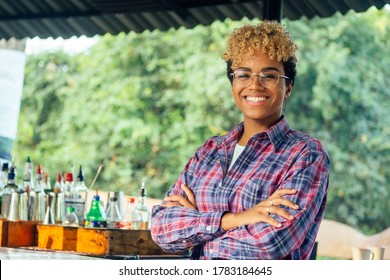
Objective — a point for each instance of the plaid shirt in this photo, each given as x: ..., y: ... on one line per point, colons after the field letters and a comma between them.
x: 277, y: 158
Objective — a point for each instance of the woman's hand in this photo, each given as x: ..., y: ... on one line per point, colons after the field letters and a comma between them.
x: 260, y: 212
x: 179, y: 200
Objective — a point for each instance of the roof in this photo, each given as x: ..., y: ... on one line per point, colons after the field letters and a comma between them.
x: 66, y: 18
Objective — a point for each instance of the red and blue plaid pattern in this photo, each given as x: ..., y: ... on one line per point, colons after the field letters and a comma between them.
x: 277, y: 158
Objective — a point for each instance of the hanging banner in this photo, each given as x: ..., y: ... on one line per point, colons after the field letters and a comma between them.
x: 12, y: 64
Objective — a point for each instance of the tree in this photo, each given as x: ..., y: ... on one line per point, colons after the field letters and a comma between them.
x: 142, y: 103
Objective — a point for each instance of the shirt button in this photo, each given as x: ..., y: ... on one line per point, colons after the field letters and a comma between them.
x: 220, y: 184
x: 208, y: 228
x: 211, y: 251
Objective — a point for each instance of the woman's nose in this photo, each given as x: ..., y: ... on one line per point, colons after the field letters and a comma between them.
x: 256, y: 81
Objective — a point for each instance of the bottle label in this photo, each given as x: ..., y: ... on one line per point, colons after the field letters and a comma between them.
x: 78, y: 205
x: 113, y: 225
x: 140, y: 225
x: 125, y: 225
x: 96, y: 224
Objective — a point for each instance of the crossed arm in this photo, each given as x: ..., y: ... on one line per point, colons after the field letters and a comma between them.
x: 258, y: 213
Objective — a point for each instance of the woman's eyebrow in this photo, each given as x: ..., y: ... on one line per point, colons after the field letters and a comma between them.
x: 244, y: 68
x: 263, y: 69
x: 270, y: 68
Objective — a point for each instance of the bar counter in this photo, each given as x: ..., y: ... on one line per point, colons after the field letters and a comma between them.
x: 33, y: 253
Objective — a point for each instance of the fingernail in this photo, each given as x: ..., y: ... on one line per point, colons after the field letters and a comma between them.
x: 279, y: 225
x: 291, y: 217
x: 296, y: 206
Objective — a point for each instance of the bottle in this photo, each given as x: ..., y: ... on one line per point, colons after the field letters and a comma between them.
x: 58, y: 190
x: 46, y: 182
x: 40, y: 196
x: 28, y: 182
x: 9, y: 189
x: 68, y: 192
x: 141, y: 214
x: 39, y: 184
x: 49, y: 215
x: 4, y: 175
x: 113, y: 214
x: 3, y: 181
x: 70, y: 218
x: 96, y: 218
x: 14, y: 167
x: 126, y: 221
x: 59, y: 184
x: 80, y: 197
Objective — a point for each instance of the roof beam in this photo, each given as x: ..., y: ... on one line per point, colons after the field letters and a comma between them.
x: 183, y: 13
x: 273, y: 10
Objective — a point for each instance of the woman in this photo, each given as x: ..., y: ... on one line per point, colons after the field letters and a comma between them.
x: 258, y: 192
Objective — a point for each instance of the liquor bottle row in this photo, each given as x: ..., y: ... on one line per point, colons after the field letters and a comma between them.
x: 66, y: 202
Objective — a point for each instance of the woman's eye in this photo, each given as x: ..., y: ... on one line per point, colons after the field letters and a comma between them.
x: 269, y: 76
x: 243, y: 75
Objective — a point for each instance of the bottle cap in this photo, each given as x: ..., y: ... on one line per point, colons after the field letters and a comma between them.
x: 96, y: 197
x: 11, y: 174
x: 5, y: 166
x: 39, y: 169
x: 59, y: 176
x: 69, y: 177
x: 80, y: 177
x: 131, y: 199
x: 69, y: 209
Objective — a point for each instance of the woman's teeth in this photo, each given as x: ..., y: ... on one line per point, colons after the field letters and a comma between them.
x: 255, y: 98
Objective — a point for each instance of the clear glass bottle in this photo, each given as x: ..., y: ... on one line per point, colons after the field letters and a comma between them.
x: 80, y: 197
x: 126, y: 221
x: 141, y: 214
x: 58, y: 190
x: 59, y: 184
x: 70, y: 219
x: 96, y: 217
x: 9, y: 189
x: 46, y: 182
x: 4, y: 175
x: 113, y: 214
x: 68, y: 192
x: 28, y: 182
x: 40, y: 204
x: 3, y: 182
x: 39, y: 184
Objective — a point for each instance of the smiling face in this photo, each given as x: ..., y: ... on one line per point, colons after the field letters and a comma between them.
x: 262, y: 107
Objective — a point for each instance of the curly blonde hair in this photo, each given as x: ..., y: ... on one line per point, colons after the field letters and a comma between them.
x: 269, y: 37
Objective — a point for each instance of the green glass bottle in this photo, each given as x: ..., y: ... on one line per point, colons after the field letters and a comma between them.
x: 96, y: 217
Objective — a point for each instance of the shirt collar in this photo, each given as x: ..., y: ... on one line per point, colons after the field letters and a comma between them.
x: 278, y: 131
x: 275, y: 133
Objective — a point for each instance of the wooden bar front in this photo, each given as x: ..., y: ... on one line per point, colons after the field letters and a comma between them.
x: 102, y: 242
x: 18, y: 233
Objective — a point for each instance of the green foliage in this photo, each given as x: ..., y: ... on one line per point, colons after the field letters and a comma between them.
x: 342, y: 96
x: 142, y: 103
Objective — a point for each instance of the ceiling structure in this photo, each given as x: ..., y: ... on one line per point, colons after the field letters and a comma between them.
x: 66, y: 18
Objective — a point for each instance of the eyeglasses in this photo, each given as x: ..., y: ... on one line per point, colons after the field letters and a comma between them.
x: 267, y: 78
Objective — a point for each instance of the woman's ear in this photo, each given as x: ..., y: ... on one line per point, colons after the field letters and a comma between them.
x: 288, y: 91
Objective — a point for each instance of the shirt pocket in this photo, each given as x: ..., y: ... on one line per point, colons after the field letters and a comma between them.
x: 254, y: 191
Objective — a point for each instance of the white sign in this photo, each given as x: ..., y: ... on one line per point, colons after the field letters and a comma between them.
x: 11, y: 86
